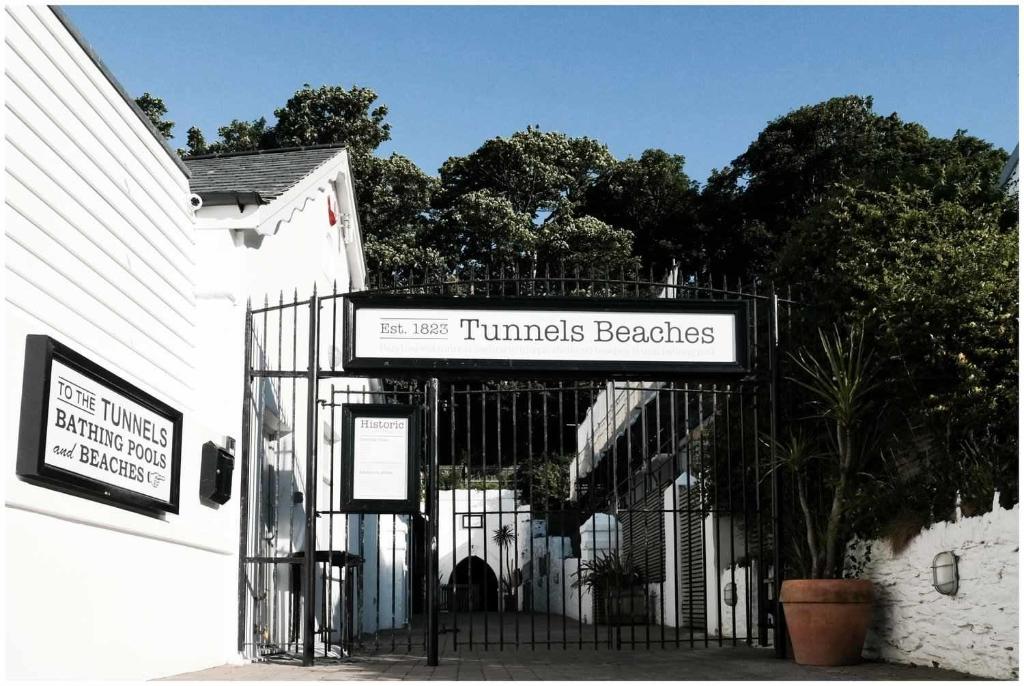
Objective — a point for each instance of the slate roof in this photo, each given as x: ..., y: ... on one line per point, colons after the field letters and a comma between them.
x: 267, y: 173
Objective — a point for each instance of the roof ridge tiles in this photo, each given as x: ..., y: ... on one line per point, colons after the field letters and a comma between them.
x: 267, y: 151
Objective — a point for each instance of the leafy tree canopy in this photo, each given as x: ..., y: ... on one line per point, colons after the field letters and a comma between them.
x: 876, y: 223
x: 481, y: 229
x: 332, y: 114
x: 935, y: 279
x: 312, y: 116
x: 394, y: 201
x: 585, y: 242
x: 536, y: 171
x: 155, y: 109
x: 523, y: 198
x: 797, y: 159
x: 654, y: 199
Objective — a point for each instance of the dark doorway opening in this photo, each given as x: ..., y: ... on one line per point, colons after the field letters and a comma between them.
x: 474, y: 586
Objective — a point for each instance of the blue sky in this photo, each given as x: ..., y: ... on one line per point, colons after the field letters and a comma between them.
x: 698, y: 81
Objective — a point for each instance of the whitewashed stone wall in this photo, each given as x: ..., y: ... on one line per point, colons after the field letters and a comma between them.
x: 734, y: 619
x: 975, y: 631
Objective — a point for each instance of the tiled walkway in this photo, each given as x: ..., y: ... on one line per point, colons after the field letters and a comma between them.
x: 399, y: 656
x: 739, y: 663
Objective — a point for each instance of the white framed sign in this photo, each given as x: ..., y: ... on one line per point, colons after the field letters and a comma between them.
x: 380, y: 458
x: 87, y: 431
x: 616, y: 337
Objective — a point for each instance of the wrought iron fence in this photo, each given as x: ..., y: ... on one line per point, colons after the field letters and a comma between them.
x: 570, y: 513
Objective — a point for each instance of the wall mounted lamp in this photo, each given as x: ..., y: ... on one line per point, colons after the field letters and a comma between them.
x: 945, y: 573
x: 729, y: 594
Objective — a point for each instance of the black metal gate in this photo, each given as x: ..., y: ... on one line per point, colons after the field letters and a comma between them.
x: 569, y: 513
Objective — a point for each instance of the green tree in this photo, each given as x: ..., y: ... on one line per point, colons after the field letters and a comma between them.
x: 536, y: 171
x: 155, y: 109
x: 238, y: 136
x: 653, y: 199
x: 480, y: 229
x: 875, y: 223
x: 935, y: 280
x: 544, y: 483
x: 334, y: 115
x: 840, y: 378
x: 195, y: 142
x: 523, y: 198
x: 585, y: 242
x: 245, y: 136
x: 798, y: 159
x: 394, y: 197
x: 312, y: 116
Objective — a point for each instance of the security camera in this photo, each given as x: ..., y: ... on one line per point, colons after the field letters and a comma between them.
x: 195, y: 201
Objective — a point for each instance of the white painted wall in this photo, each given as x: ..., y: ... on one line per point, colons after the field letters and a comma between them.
x: 600, y: 534
x: 723, y: 541
x: 456, y: 543
x: 104, y: 254
x: 278, y: 253
x: 383, y: 542
x: 734, y: 619
x: 101, y: 255
x: 612, y: 410
x: 674, y: 498
x: 977, y: 630
x: 550, y: 555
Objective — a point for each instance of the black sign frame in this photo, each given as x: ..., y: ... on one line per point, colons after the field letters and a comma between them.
x: 349, y: 413
x: 486, y: 368
x: 40, y: 352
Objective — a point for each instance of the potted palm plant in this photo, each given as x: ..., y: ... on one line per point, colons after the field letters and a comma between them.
x: 618, y: 583
x: 828, y: 615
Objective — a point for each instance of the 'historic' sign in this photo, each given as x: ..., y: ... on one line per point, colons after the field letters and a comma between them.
x: 380, y: 458
x: 556, y: 335
x: 87, y: 431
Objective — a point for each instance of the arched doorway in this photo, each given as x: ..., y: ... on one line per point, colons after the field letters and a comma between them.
x: 474, y: 586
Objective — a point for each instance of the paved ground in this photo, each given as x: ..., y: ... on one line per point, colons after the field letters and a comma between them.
x: 739, y: 663
x: 398, y: 656
x: 461, y: 631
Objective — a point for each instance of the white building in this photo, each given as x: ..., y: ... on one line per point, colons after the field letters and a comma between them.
x: 690, y: 554
x: 470, y: 562
x: 107, y: 256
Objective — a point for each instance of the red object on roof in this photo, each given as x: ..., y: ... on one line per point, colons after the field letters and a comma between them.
x: 331, y: 216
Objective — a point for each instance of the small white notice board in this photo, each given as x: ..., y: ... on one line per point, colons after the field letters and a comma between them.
x: 380, y: 459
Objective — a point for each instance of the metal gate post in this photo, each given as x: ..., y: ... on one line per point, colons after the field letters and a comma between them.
x: 774, y: 348
x: 243, y: 496
x: 309, y: 560
x: 432, y: 515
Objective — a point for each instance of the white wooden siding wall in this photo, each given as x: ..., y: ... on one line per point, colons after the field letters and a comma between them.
x: 100, y: 250
x: 101, y: 256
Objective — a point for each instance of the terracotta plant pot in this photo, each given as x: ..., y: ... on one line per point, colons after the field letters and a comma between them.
x: 827, y: 619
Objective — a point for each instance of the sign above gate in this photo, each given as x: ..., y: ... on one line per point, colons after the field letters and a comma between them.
x: 613, y: 337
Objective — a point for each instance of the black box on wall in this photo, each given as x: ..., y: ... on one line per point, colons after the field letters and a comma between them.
x: 215, y: 473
